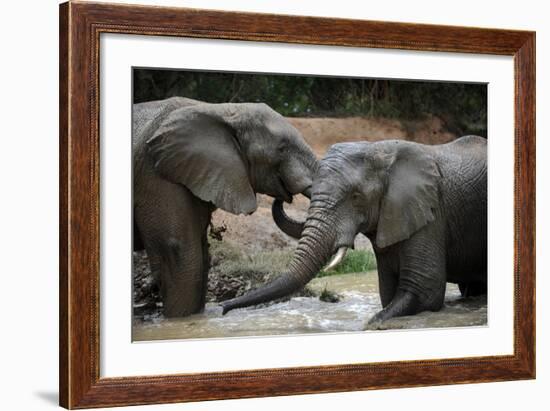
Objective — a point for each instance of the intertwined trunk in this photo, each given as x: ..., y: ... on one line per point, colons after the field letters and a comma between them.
x: 288, y: 225
x: 314, y: 249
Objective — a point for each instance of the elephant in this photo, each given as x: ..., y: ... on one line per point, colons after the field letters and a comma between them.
x: 191, y: 157
x: 423, y: 208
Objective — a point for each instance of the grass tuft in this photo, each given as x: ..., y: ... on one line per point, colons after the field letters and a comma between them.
x: 356, y: 261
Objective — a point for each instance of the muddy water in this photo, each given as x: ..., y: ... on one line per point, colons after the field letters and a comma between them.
x: 301, y: 315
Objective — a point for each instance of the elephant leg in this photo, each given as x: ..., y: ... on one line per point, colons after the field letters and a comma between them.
x: 403, y: 303
x: 205, y: 261
x: 388, y: 277
x: 173, y: 226
x: 472, y: 288
x: 137, y: 242
x: 182, y: 276
x: 422, y: 275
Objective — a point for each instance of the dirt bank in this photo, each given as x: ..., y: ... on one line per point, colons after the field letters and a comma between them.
x: 321, y: 133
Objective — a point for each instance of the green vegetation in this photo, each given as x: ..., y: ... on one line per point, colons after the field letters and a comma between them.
x: 228, y: 259
x: 356, y: 261
x: 233, y: 273
x: 462, y: 106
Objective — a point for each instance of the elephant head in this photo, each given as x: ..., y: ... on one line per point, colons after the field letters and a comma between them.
x: 225, y: 153
x: 387, y: 190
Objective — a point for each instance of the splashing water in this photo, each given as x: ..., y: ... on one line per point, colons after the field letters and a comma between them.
x: 359, y: 301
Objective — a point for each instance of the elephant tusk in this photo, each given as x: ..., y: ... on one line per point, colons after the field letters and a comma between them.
x: 337, y: 259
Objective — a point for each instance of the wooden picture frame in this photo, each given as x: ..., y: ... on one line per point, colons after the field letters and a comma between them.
x: 80, y: 27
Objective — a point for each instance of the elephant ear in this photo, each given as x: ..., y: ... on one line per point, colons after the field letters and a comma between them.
x: 197, y: 148
x: 411, y: 195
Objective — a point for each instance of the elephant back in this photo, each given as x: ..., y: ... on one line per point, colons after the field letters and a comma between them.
x: 464, y: 160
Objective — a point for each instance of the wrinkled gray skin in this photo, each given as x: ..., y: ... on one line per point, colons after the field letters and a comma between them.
x: 424, y: 208
x: 191, y: 157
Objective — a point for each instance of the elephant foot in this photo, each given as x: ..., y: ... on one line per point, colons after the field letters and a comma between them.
x: 373, y: 324
x: 404, y: 303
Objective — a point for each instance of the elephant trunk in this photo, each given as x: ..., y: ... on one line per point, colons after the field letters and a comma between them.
x: 287, y: 224
x: 314, y: 249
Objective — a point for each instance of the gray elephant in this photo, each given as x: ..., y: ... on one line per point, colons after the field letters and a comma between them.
x: 191, y: 157
x: 424, y: 209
